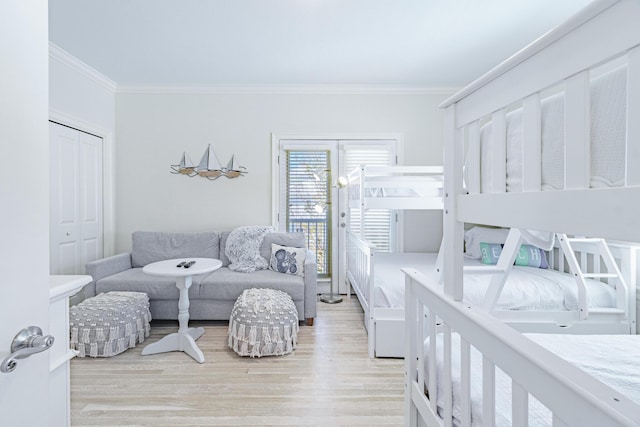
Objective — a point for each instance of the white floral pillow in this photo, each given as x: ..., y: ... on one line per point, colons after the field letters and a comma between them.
x: 287, y: 260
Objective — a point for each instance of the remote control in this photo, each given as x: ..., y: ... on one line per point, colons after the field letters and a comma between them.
x: 181, y: 264
x: 189, y: 264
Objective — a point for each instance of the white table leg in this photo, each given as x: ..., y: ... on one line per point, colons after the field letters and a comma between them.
x: 185, y: 338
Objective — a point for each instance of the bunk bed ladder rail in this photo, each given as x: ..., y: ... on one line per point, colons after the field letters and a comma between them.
x: 569, y: 246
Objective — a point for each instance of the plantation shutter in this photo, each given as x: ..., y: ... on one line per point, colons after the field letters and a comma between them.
x: 379, y: 224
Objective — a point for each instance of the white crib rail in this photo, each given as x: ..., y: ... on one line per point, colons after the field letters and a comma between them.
x: 573, y: 397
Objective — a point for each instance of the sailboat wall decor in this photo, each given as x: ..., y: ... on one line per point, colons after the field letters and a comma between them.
x: 209, y: 166
x: 185, y: 167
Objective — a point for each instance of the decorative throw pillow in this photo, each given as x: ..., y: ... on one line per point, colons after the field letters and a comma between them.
x: 286, y: 259
x: 490, y: 252
x: 531, y: 256
x: 475, y: 235
x: 528, y: 256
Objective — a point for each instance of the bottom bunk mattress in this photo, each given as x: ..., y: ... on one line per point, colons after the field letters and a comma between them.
x: 611, y: 359
x: 388, y: 277
x: 527, y: 288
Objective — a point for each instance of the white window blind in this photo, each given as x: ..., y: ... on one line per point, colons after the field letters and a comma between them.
x: 308, y: 200
x: 379, y: 224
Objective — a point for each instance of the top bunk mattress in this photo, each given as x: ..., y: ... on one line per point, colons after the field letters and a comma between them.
x: 608, y: 129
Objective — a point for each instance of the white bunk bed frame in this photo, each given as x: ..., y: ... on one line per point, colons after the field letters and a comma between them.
x: 603, y: 31
x: 613, y: 263
x: 385, y: 326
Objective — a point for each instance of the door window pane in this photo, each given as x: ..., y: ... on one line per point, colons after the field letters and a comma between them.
x: 308, y: 202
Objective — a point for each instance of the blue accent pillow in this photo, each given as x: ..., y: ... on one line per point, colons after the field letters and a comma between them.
x: 529, y: 256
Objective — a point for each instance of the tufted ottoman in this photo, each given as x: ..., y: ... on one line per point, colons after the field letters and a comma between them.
x: 263, y: 322
x: 109, y: 323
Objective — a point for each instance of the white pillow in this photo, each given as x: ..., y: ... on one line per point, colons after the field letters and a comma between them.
x: 476, y: 235
x: 287, y: 259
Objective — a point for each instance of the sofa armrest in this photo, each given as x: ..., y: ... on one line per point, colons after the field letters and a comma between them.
x: 310, y: 285
x: 105, y: 267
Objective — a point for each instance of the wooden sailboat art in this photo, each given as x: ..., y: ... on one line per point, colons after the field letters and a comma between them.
x: 233, y: 169
x: 185, y: 167
x: 209, y: 166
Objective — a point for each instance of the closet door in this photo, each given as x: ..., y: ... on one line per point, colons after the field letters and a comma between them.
x: 76, y: 199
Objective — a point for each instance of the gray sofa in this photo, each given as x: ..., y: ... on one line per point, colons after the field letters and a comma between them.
x: 211, y: 295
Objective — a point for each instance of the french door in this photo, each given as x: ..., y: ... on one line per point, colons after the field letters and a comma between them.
x: 308, y: 199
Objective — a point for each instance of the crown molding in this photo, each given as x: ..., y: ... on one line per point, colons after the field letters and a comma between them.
x: 64, y: 57
x: 288, y: 89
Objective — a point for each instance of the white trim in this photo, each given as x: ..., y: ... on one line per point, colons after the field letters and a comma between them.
x: 108, y: 172
x: 289, y: 89
x: 64, y: 57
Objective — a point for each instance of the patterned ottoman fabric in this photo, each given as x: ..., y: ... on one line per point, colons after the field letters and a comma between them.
x: 109, y: 323
x: 263, y: 322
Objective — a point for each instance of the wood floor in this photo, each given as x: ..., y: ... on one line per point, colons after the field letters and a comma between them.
x: 328, y: 381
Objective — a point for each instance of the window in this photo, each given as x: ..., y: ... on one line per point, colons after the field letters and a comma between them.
x: 308, y: 198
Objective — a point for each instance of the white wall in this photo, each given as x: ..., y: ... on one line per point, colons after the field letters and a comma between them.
x: 154, y: 129
x: 79, y: 92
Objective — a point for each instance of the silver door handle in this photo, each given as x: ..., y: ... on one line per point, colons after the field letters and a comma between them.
x: 28, y: 341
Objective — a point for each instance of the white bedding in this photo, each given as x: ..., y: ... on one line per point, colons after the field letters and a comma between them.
x: 608, y: 122
x: 389, y: 279
x: 611, y: 359
x: 527, y: 288
x: 530, y: 288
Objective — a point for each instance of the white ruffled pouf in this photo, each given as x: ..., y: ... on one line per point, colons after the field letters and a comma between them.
x: 109, y: 323
x: 263, y: 322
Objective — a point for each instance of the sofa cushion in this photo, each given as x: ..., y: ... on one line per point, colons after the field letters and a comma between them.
x: 157, y: 287
x: 223, y: 243
x: 148, y: 247
x: 283, y: 239
x: 224, y: 284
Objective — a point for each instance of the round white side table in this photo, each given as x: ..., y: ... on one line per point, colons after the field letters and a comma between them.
x: 185, y: 339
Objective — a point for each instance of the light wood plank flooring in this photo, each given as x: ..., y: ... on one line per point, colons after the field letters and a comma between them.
x: 328, y: 381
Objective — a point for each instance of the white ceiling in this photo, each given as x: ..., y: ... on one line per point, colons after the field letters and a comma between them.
x: 409, y: 43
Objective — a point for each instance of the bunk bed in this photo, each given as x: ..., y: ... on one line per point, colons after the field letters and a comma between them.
x: 464, y: 366
x: 530, y: 299
x: 376, y: 277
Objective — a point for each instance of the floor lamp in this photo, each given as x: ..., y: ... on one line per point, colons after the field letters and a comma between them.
x: 331, y: 297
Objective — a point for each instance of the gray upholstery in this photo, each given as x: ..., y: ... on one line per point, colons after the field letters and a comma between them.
x: 148, y: 247
x: 223, y: 244
x: 211, y: 295
x: 224, y: 284
x: 103, y: 268
x: 295, y: 240
x: 157, y: 287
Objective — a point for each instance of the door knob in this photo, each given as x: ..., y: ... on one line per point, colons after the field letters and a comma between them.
x: 28, y: 341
